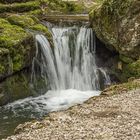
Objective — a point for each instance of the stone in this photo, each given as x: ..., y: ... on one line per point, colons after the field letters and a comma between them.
x: 18, y: 45
x: 117, y: 24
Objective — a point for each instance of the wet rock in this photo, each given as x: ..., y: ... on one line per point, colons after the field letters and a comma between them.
x: 19, y: 7
x: 19, y: 86
x: 12, y: 1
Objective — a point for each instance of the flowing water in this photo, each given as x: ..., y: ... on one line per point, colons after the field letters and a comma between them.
x: 69, y: 70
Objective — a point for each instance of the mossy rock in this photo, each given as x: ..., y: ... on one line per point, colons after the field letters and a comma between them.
x: 17, y: 36
x: 117, y: 24
x: 19, y: 43
x: 132, y: 70
x: 43, y: 6
x: 36, y: 13
x: 29, y: 22
x: 19, y: 7
x: 61, y: 7
x: 19, y: 86
x: 24, y: 21
x: 15, y: 87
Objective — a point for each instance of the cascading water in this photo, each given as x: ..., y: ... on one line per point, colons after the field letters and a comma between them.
x: 71, y: 63
x: 69, y: 68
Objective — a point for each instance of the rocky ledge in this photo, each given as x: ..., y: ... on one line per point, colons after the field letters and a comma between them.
x: 107, y: 117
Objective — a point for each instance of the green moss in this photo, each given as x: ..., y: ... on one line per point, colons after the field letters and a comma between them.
x: 37, y: 13
x: 10, y: 34
x: 28, y: 22
x: 42, y: 28
x: 2, y: 69
x: 126, y: 59
x: 21, y: 20
x: 15, y: 39
x: 132, y: 69
x: 3, y: 51
x: 121, y: 88
x: 106, y: 18
x: 75, y: 8
x: 19, y: 7
x: 39, y: 7
x: 60, y: 7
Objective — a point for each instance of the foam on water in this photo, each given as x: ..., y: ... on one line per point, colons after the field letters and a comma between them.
x: 53, y: 100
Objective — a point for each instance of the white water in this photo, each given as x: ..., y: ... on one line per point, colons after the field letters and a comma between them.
x: 69, y: 68
x: 72, y: 64
x: 51, y: 101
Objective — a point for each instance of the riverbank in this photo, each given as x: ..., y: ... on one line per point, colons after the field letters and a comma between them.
x: 107, y: 117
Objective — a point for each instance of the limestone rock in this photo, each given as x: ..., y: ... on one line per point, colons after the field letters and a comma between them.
x: 117, y: 24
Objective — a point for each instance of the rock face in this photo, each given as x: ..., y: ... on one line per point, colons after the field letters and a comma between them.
x: 117, y: 24
x: 19, y: 21
x: 15, y: 45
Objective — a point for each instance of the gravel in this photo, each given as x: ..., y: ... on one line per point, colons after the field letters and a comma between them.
x: 114, y: 117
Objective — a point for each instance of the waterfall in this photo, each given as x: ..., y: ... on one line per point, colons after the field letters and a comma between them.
x: 70, y: 64
x: 69, y: 68
x: 63, y: 74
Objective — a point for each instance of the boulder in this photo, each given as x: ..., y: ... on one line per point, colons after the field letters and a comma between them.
x: 117, y: 24
x: 20, y: 85
x: 16, y: 47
